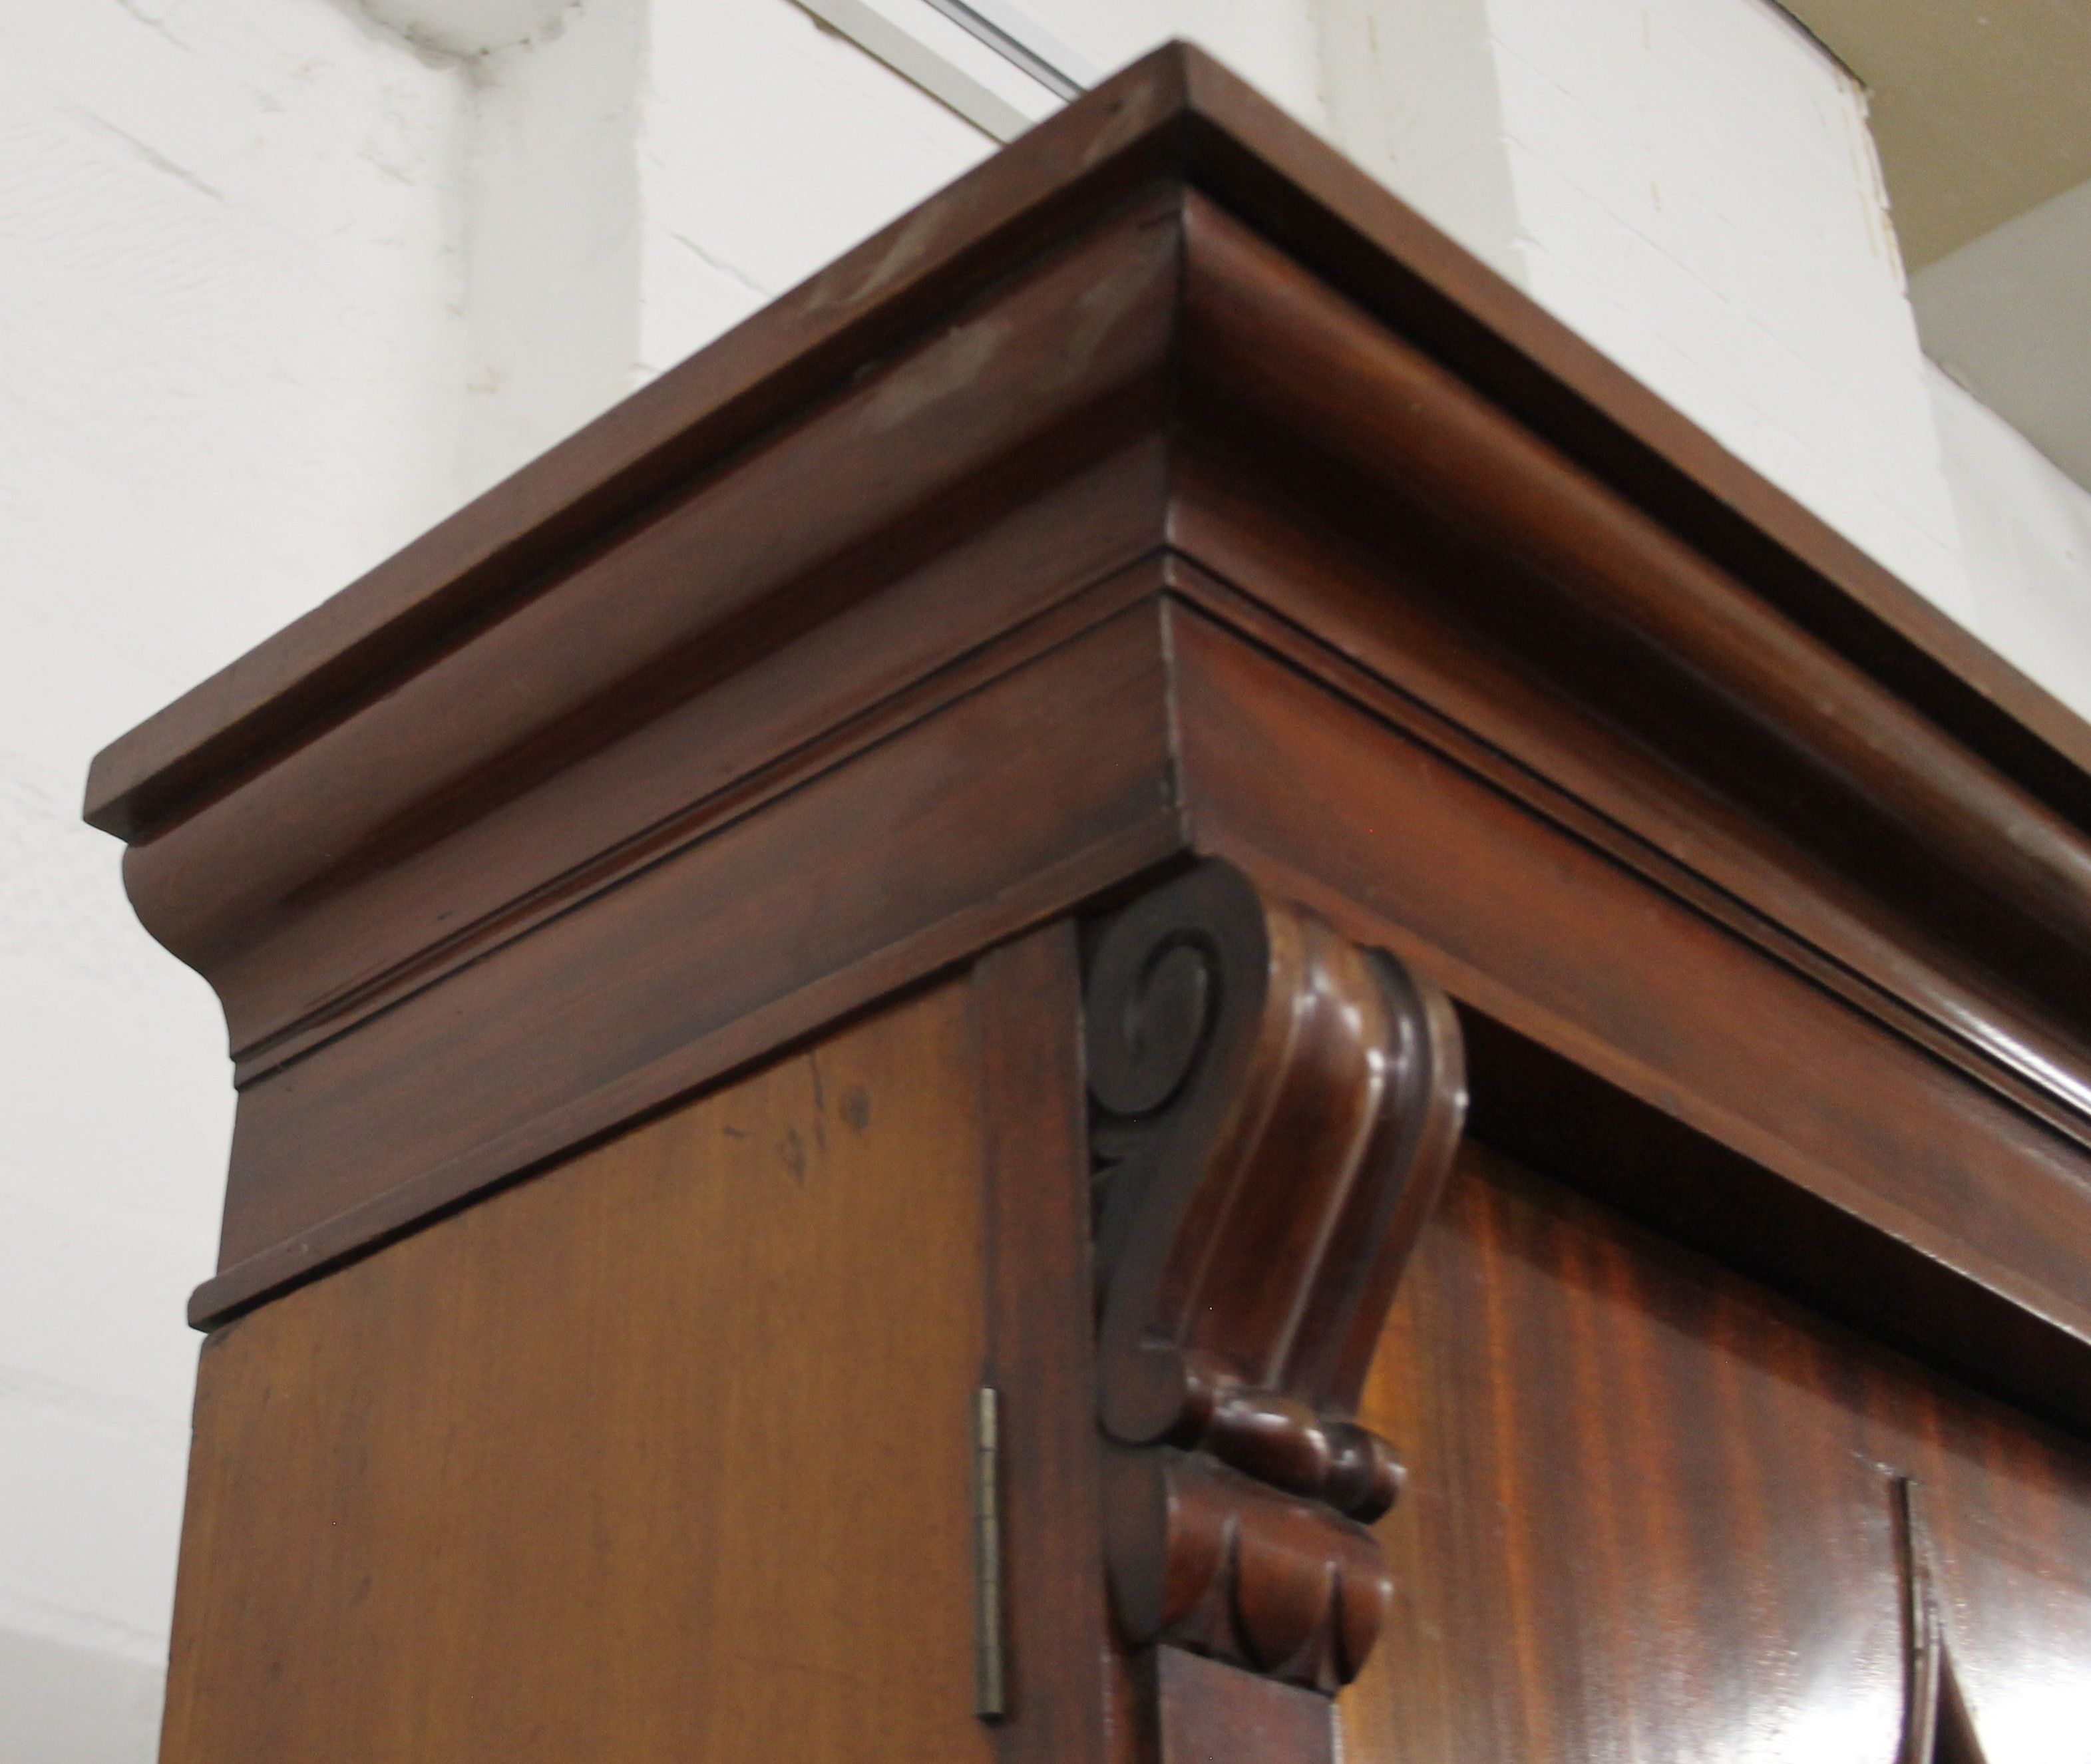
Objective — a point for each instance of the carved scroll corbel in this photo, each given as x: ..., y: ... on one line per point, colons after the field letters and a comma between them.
x: 1274, y: 1113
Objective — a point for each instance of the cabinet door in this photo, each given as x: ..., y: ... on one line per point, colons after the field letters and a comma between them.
x: 1655, y: 1512
x: 664, y: 1453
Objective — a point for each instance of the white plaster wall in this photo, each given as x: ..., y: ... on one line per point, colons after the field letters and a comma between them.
x: 1691, y: 185
x: 1409, y: 90
x: 771, y: 145
x: 551, y: 230
x: 2025, y: 527
x: 652, y: 174
x: 1698, y: 196
x: 227, y: 383
x: 1274, y: 43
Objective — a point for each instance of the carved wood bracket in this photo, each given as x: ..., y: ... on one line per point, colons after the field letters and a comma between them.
x: 1273, y: 1112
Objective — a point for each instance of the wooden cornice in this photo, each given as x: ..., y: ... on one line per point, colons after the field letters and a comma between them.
x: 925, y: 606
x: 728, y: 635
x: 1505, y: 542
x: 1022, y: 321
x: 1176, y: 117
x: 1274, y: 1111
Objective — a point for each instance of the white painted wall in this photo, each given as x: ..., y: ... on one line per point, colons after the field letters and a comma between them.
x: 229, y: 352
x: 771, y: 145
x: 651, y: 173
x: 283, y: 280
x: 1697, y: 193
x: 2009, y: 314
x: 2025, y: 528
x: 1690, y: 184
x: 550, y: 229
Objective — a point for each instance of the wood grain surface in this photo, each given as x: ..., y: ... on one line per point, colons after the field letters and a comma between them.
x: 1653, y: 1513
x: 1483, y: 548
x: 1010, y: 805
x: 663, y: 1455
x: 948, y: 495
x: 1205, y: 1714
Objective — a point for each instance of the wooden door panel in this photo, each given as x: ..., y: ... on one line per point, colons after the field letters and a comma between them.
x: 2014, y: 1582
x: 662, y: 1454
x: 1653, y: 1514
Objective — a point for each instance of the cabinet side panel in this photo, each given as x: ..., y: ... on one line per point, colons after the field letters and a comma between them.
x: 1657, y: 1511
x: 663, y: 1454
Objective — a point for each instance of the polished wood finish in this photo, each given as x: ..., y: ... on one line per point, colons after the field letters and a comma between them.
x: 371, y: 1130
x: 947, y: 859
x: 1937, y: 1723
x: 753, y: 619
x: 591, y: 1470
x: 1654, y: 1511
x: 1176, y: 116
x: 1274, y: 1111
x: 1201, y: 1712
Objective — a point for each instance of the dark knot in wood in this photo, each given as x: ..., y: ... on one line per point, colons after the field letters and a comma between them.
x: 1274, y: 1113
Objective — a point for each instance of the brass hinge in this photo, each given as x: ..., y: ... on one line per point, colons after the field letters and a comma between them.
x: 990, y: 1688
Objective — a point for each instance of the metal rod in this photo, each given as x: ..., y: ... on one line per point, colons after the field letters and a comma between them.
x: 1006, y: 43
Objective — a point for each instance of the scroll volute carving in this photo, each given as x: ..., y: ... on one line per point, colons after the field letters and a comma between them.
x: 1274, y: 1113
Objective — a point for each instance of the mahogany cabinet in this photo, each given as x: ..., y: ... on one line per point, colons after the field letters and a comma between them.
x: 906, y: 1019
